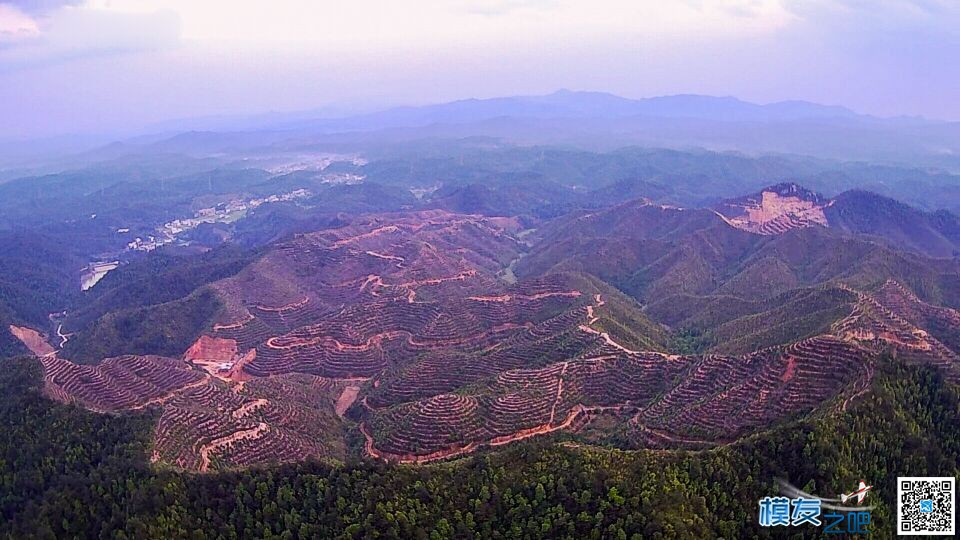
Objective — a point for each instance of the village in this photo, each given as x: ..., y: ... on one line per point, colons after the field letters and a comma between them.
x: 222, y: 213
x: 167, y: 233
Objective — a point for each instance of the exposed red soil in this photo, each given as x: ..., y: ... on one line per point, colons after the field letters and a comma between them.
x: 288, y: 307
x: 359, y: 237
x: 237, y: 324
x: 524, y: 297
x: 790, y: 369
x: 237, y: 374
x: 211, y: 349
x: 32, y: 340
x: 889, y: 318
x: 458, y: 359
x: 774, y: 213
x: 213, y: 446
x: 414, y: 458
x: 346, y: 399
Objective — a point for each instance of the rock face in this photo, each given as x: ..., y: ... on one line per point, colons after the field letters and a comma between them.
x: 775, y: 210
x: 784, y: 207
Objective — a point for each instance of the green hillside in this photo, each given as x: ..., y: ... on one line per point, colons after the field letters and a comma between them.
x: 86, y: 475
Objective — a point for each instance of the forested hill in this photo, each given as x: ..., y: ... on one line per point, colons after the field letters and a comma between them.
x: 66, y: 472
x: 36, y: 278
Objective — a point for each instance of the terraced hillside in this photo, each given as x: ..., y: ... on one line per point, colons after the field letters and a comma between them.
x: 735, y: 290
x: 895, y: 319
x: 206, y: 423
x: 788, y: 206
x: 396, y: 328
x: 775, y: 210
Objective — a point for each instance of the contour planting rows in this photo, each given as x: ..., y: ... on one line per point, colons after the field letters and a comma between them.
x: 207, y: 423
x: 889, y: 320
x: 123, y: 382
x: 396, y: 326
x: 775, y: 210
x: 725, y: 397
x: 673, y: 400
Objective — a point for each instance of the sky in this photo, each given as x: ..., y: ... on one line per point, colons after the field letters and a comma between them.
x: 123, y: 66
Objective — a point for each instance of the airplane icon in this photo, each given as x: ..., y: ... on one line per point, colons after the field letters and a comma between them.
x: 860, y: 493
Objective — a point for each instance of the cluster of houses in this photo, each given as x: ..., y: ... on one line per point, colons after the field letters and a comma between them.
x: 223, y: 212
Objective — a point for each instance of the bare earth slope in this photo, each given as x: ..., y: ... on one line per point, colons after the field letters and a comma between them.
x: 397, y: 327
x: 788, y: 206
x: 775, y: 210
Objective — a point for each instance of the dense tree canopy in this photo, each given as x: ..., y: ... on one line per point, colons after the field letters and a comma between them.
x: 66, y: 472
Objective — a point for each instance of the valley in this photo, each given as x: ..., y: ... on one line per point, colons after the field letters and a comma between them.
x: 429, y: 309
x: 397, y: 328
x: 482, y: 269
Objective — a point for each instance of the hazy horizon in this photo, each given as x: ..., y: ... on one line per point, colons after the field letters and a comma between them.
x: 119, y: 66
x: 212, y: 122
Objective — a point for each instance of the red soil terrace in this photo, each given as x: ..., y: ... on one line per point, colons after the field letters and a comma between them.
x: 398, y: 326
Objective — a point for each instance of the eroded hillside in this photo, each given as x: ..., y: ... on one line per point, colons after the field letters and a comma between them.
x: 788, y: 206
x: 775, y: 210
x: 396, y: 328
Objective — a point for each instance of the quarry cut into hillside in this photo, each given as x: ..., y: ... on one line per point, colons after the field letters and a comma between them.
x: 775, y: 210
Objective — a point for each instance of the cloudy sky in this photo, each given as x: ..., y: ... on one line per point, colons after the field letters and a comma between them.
x: 118, y: 66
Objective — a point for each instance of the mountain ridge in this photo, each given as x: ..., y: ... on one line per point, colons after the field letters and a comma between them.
x: 579, y: 104
x: 781, y: 207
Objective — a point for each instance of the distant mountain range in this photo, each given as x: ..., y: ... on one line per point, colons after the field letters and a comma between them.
x: 569, y: 104
x: 602, y: 121
x: 587, y: 120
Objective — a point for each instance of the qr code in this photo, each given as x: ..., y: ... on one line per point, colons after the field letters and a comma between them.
x: 926, y: 505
